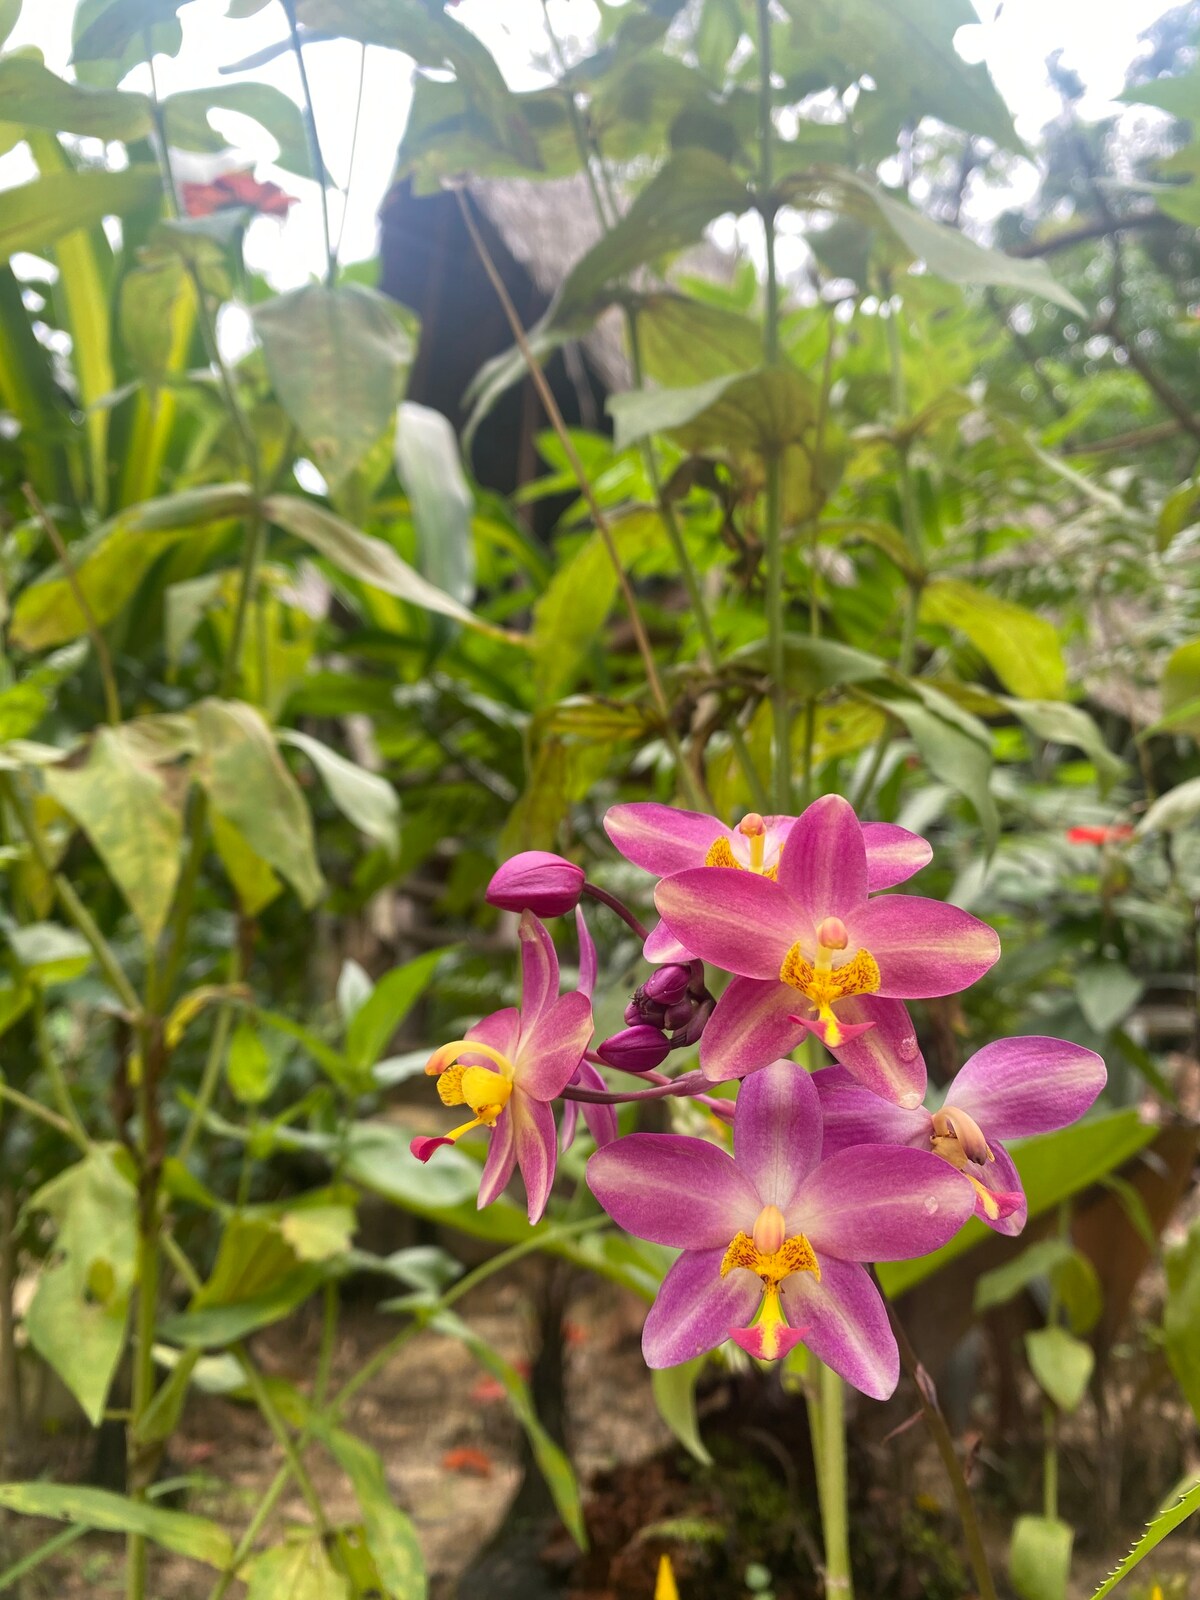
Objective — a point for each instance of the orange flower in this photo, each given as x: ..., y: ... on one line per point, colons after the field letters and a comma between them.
x: 233, y: 189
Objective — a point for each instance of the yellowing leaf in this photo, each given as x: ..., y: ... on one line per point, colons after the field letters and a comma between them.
x: 1022, y: 649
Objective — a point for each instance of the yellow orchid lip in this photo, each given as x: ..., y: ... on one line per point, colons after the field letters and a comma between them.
x: 823, y: 984
x: 772, y: 1257
x: 485, y: 1090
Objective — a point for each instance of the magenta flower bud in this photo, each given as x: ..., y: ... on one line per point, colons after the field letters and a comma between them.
x: 537, y: 881
x: 668, y: 985
x: 633, y: 1013
x: 637, y: 1049
x: 690, y: 1034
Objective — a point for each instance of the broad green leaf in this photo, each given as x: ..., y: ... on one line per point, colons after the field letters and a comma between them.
x: 115, y: 30
x: 369, y: 560
x: 364, y: 798
x: 1039, y: 1559
x: 1181, y: 689
x: 188, y: 125
x: 684, y: 342
x: 298, y: 1570
x: 1069, y: 725
x: 10, y: 11
x: 758, y: 411
x: 1181, y: 1315
x: 687, y: 193
x: 251, y: 788
x: 185, y: 1534
x: 1179, y: 95
x: 111, y: 563
x: 337, y: 359
x: 1002, y: 1284
x: 1174, y: 810
x: 254, y: 882
x: 378, y: 1158
x: 34, y: 215
x: 813, y: 665
x: 390, y: 1535
x: 250, y: 1070
x: 376, y: 1020
x: 153, y: 297
x: 675, y: 1396
x: 1183, y: 1505
x: 1061, y: 1363
x: 552, y: 1462
x: 955, y: 746
x: 35, y: 97
x: 133, y: 820
x: 1053, y: 1166
x: 76, y: 1321
x: 48, y: 953
x: 1022, y: 648
x: 430, y: 472
x: 1180, y: 510
x: 319, y: 1232
x: 1107, y: 991
x: 257, y: 1279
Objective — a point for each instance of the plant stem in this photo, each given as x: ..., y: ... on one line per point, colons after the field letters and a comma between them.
x: 289, y: 1446
x: 358, y: 105
x: 51, y: 1066
x: 251, y: 556
x: 112, y: 700
x: 773, y: 507
x: 314, y: 143
x: 827, y: 1425
x: 595, y: 892
x: 42, y: 1113
x: 687, y: 777
x: 210, y: 1077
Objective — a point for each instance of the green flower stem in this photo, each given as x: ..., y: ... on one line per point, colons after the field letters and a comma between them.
x: 52, y: 1067
x: 314, y: 143
x: 291, y: 1447
x: 827, y: 1425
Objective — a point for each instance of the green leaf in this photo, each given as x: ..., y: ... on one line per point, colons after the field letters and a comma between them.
x: 1069, y: 725
x: 319, y: 1232
x: 134, y: 824
x: 431, y: 474
x: 250, y: 1071
x: 377, y: 1019
x: 812, y: 666
x: 675, y: 1396
x: 34, y: 215
x: 76, y: 1321
x: 1053, y: 1166
x: 687, y: 193
x: 1181, y: 689
x: 685, y: 342
x: 378, y: 1158
x: 107, y: 30
x: 35, y: 97
x: 188, y: 126
x: 1168, y: 1519
x: 1039, y: 1559
x: 111, y: 563
x: 1022, y: 648
x: 1107, y: 992
x: 1061, y: 1363
x: 1002, y: 1284
x: 364, y: 798
x: 1179, y: 95
x: 253, y: 881
x: 187, y: 1535
x: 1173, y: 810
x: 256, y: 1280
x: 251, y: 788
x: 369, y: 560
x: 337, y: 360
x: 760, y: 411
x: 10, y: 11
x: 154, y: 296
x: 551, y: 1460
x: 390, y: 1535
x: 1181, y: 1315
x: 49, y: 953
x: 298, y: 1570
x: 955, y: 746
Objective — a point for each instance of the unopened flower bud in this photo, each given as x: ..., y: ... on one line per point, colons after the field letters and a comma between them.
x: 637, y: 1049
x: 667, y: 985
x: 832, y: 934
x: 537, y: 881
x: 633, y: 1013
x: 690, y: 1034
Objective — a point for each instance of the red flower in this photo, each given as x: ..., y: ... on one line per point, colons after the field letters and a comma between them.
x: 1100, y: 835
x: 233, y: 189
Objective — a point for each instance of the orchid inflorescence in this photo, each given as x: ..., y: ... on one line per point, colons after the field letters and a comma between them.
x: 826, y: 1171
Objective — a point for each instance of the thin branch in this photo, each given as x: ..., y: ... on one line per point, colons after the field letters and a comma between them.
x: 314, y: 143
x: 1154, y: 381
x: 1134, y: 439
x: 112, y: 699
x: 1100, y: 228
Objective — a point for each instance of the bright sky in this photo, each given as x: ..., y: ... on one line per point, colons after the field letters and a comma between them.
x: 1098, y: 38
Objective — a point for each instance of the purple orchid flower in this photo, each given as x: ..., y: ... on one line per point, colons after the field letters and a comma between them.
x: 1006, y: 1090
x: 811, y: 953
x: 665, y: 840
x: 773, y: 1237
x: 510, y: 1067
x: 601, y: 1119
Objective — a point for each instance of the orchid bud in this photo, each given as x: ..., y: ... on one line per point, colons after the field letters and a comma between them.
x: 637, y: 1049
x: 690, y: 1034
x: 537, y: 881
x: 667, y: 985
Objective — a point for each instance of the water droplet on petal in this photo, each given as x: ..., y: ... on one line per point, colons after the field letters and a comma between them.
x: 931, y: 1206
x: 911, y: 1100
x: 907, y: 1048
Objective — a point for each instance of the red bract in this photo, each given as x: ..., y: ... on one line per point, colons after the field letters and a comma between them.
x: 1111, y: 834
x: 234, y: 189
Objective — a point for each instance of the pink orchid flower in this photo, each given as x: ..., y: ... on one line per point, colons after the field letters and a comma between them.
x: 601, y: 1120
x: 665, y: 840
x: 1008, y: 1089
x: 509, y: 1069
x: 812, y: 953
x: 773, y: 1237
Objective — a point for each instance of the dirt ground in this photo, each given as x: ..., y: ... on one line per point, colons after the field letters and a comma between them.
x: 451, y: 1452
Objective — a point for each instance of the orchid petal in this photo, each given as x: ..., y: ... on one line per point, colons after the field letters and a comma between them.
x: 696, y: 1308
x: 887, y: 1059
x: 893, y: 854
x: 536, y: 1146
x: 588, y: 965
x: 501, y: 1159
x: 845, y: 1324
x: 852, y: 1115
x: 823, y: 864
x: 662, y: 947
x: 673, y: 1190
x: 662, y: 839
x: 549, y: 1054
x: 601, y: 1119
x: 539, y: 968
x: 1004, y: 1181
x: 500, y: 1031
x: 923, y: 948
x: 1015, y: 1087
x: 777, y: 1131
x: 880, y: 1203
x: 750, y: 1026
x: 738, y: 920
